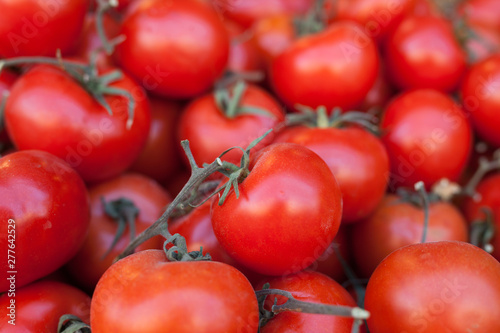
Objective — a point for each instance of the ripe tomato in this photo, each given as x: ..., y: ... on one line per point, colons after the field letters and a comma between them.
x: 483, y: 11
x: 243, y: 54
x: 289, y: 192
x: 379, y: 94
x: 34, y: 28
x: 160, y: 159
x: 343, y: 58
x: 424, y: 53
x: 48, y: 110
x: 480, y: 97
x: 427, y: 137
x: 357, y: 159
x: 174, y: 48
x: 210, y: 130
x: 310, y: 287
x: 87, y: 267
x: 44, y: 214
x: 145, y: 293
x: 38, y: 307
x: 489, y: 194
x: 396, y: 223
x: 378, y: 17
x: 246, y: 12
x: 435, y: 287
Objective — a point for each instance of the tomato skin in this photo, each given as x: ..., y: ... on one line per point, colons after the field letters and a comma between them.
x: 423, y: 53
x: 480, y: 96
x: 486, y: 44
x: 210, y: 132
x: 290, y: 192
x: 243, y: 54
x: 482, y: 11
x: 49, y: 110
x: 161, y: 159
x: 40, y: 305
x: 310, y: 287
x: 49, y: 203
x: 489, y: 193
x: 164, y: 43
x: 357, y: 159
x: 396, y: 223
x: 435, y: 287
x: 427, y: 137
x: 342, y: 58
x: 7, y: 79
x: 88, y: 265
x: 28, y: 27
x: 145, y: 293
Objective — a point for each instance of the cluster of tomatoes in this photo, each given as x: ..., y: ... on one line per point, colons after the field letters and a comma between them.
x: 250, y: 165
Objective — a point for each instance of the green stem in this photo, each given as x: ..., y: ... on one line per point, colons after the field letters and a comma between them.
x: 102, y: 7
x: 420, y: 188
x: 485, y: 166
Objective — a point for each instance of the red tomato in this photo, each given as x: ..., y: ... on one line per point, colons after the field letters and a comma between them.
x: 379, y: 94
x: 427, y: 137
x: 336, y: 67
x: 210, y: 130
x: 35, y: 28
x: 174, y: 48
x: 310, y: 287
x: 87, y: 267
x: 160, y: 159
x: 246, y: 12
x: 243, y: 54
x: 424, y: 53
x: 396, y: 223
x: 144, y: 292
x: 357, y: 159
x: 488, y: 191
x: 378, y: 17
x: 48, y: 110
x: 44, y: 213
x: 481, y: 98
x: 482, y: 11
x: 287, y: 214
x: 435, y: 287
x: 38, y: 307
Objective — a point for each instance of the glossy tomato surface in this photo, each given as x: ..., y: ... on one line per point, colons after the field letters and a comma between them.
x: 435, y: 287
x: 44, y: 214
x: 289, y: 192
x: 145, y: 293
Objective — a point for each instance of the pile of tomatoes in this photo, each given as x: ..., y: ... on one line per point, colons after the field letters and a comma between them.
x: 250, y: 166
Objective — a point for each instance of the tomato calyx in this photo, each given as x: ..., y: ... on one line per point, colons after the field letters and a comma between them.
x: 104, y: 6
x: 313, y: 22
x: 295, y: 305
x: 230, y: 102
x: 485, y: 166
x: 195, y: 182
x: 87, y: 75
x: 124, y: 212
x: 483, y: 230
x: 179, y: 251
x: 319, y: 118
x: 72, y: 324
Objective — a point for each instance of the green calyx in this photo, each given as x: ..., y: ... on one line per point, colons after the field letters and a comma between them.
x: 72, y: 324
x: 229, y: 102
x: 124, y: 213
x: 483, y: 230
x: 319, y: 118
x: 313, y: 22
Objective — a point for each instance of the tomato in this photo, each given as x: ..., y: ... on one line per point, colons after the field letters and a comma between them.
x: 34, y: 28
x: 289, y: 192
x: 424, y: 53
x: 246, y: 12
x: 357, y: 159
x: 148, y: 197
x: 243, y: 54
x: 144, y: 292
x: 435, y: 287
x: 481, y: 98
x: 378, y: 17
x: 44, y: 213
x: 310, y: 287
x: 7, y: 79
x: 427, y: 137
x: 91, y: 43
x: 160, y: 159
x: 396, y: 223
x: 174, y: 48
x: 488, y: 192
x: 379, y: 94
x: 482, y: 11
x: 211, y: 129
x: 49, y: 110
x: 342, y: 58
x: 38, y: 307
